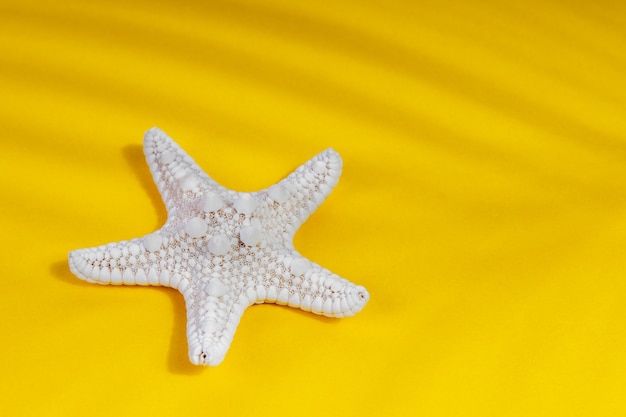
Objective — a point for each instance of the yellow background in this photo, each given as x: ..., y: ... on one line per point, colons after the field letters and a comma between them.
x: 483, y: 202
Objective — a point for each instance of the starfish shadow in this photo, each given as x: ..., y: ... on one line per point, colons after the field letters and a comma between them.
x: 61, y: 271
x: 177, y: 357
x: 136, y: 159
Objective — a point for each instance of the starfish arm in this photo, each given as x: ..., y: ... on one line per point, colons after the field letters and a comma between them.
x: 320, y: 291
x: 176, y: 175
x: 127, y: 262
x: 300, y: 194
x: 303, y: 284
x: 213, y: 314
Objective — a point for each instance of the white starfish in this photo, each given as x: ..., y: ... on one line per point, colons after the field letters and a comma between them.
x: 225, y: 250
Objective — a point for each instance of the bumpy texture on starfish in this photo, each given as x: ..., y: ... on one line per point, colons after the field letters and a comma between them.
x: 225, y: 250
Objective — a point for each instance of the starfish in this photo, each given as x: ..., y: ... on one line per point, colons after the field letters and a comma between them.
x: 226, y: 250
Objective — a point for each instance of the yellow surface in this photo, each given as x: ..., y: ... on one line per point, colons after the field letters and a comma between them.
x: 483, y: 202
